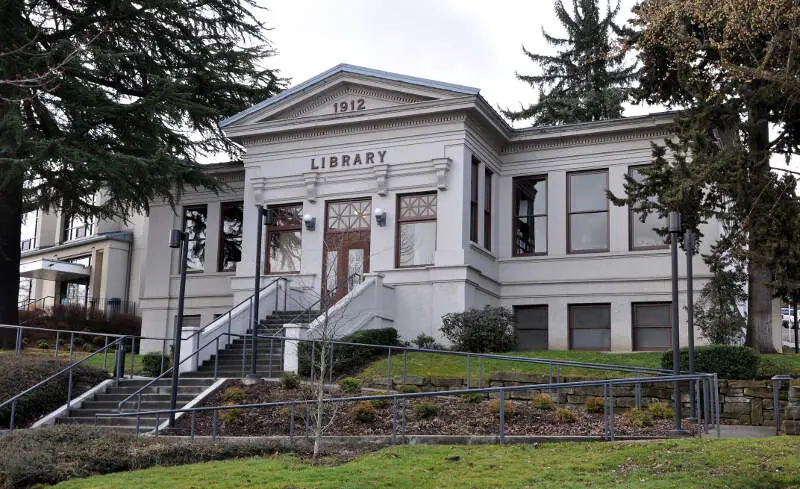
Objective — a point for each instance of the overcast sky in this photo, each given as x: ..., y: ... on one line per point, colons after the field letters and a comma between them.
x: 477, y: 43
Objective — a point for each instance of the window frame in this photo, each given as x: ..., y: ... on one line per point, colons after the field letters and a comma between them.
x: 221, y: 247
x: 570, y: 213
x: 546, y: 329
x: 189, y: 242
x: 634, y: 328
x: 279, y: 229
x: 570, y: 324
x: 401, y: 220
x: 632, y: 217
x: 515, y: 215
x: 473, y: 199
x: 487, y: 208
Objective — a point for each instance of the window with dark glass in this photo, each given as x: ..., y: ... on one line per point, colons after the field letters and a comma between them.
x: 588, y: 211
x: 487, y: 210
x: 416, y: 229
x: 531, y: 327
x: 652, y: 326
x: 642, y: 233
x: 473, y: 201
x: 230, y: 237
x: 590, y: 327
x: 77, y: 227
x: 195, y: 222
x: 530, y: 216
x: 285, y: 238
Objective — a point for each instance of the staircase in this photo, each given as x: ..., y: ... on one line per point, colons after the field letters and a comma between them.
x: 154, y: 397
x: 269, y: 358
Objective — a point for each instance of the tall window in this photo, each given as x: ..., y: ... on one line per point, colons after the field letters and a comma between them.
x: 30, y: 222
x: 473, y: 201
x: 416, y: 229
x: 652, y: 326
x: 530, y: 216
x: 588, y: 211
x: 531, y: 327
x: 487, y: 210
x: 590, y: 327
x: 642, y: 234
x: 230, y: 237
x: 24, y: 295
x: 195, y: 221
x: 285, y: 239
x: 77, y: 227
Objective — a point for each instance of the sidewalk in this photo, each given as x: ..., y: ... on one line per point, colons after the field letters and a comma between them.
x: 741, y: 431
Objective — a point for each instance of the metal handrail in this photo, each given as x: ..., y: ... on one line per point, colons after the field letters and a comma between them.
x: 34, y: 301
x: 310, y: 308
x: 36, y: 328
x: 68, y: 369
x: 707, y: 382
x: 262, y: 289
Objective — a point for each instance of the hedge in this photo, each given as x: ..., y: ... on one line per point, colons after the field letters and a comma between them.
x: 348, y: 360
x: 20, y: 373
x: 54, y: 454
x: 729, y: 362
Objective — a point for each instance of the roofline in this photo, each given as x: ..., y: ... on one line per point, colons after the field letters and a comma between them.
x: 356, y: 70
x: 661, y: 117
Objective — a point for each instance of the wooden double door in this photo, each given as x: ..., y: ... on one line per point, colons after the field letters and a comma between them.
x: 346, y: 246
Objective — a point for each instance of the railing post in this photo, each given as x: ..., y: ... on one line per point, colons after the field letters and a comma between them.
x: 216, y: 359
x: 611, y: 408
x: 285, y: 292
x: 105, y: 353
x: 605, y: 411
x: 72, y: 345
x: 389, y: 371
x: 69, y: 392
x: 13, y: 415
x: 229, y: 325
x: 18, y: 346
x: 58, y: 340
x: 194, y: 422
x: 480, y: 372
x: 706, y: 406
x: 394, y: 421
x: 469, y: 376
x: 502, y: 417
x: 291, y: 424
x: 637, y: 392
x: 405, y: 364
x: 716, y: 407
x: 403, y: 432
x: 269, y: 358
x: 133, y: 355
x: 214, y: 426
x: 118, y: 363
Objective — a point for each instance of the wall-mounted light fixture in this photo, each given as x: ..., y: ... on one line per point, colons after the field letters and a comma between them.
x: 310, y: 222
x: 380, y: 216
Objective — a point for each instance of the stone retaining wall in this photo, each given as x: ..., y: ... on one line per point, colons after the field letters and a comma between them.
x: 791, y: 425
x: 741, y: 401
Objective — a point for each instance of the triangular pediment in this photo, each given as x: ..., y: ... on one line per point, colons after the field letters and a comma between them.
x: 345, y: 90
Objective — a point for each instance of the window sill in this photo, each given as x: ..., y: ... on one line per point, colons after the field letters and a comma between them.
x: 475, y: 246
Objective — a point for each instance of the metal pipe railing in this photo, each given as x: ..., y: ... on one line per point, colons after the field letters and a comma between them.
x: 119, y: 343
x: 501, y: 391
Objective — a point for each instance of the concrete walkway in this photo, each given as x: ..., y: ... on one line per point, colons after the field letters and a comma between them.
x: 741, y: 431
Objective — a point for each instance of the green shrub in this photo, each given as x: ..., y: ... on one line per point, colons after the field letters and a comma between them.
x: 407, y: 389
x: 660, y: 410
x: 494, y: 407
x: 426, y: 341
x: 362, y: 412
x: 594, y: 405
x: 19, y: 373
x: 543, y: 401
x: 230, y: 417
x: 57, y: 453
x: 380, y: 403
x: 426, y: 410
x: 290, y: 381
x: 348, y: 359
x: 350, y: 385
x: 490, y: 329
x: 729, y: 362
x: 472, y: 397
x: 232, y: 395
x: 565, y: 415
x: 636, y: 418
x: 42, y: 344
x: 151, y: 364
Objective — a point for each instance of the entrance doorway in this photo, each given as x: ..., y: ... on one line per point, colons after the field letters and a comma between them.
x: 346, y: 246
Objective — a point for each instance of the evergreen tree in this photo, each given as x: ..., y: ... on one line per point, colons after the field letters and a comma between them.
x: 734, y: 68
x: 588, y: 80
x: 118, y: 98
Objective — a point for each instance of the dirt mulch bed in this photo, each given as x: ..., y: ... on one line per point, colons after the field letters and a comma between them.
x: 455, y: 417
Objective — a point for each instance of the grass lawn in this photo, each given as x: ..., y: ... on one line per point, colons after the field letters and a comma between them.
x: 450, y: 366
x: 698, y: 463
x: 96, y: 361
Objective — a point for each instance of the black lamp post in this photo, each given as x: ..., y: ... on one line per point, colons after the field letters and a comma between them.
x: 689, y: 244
x: 263, y: 220
x: 674, y: 233
x: 178, y: 239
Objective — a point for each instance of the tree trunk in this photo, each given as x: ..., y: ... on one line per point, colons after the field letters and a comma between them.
x: 759, y: 308
x: 10, y: 231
